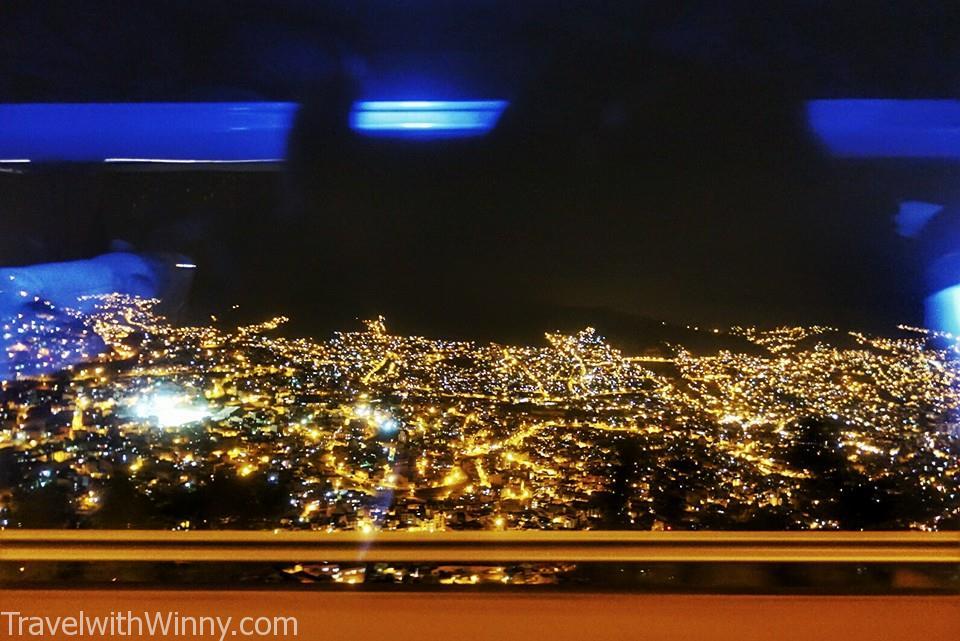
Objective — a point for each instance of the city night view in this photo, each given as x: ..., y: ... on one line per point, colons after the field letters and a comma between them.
x: 488, y: 320
x: 217, y: 427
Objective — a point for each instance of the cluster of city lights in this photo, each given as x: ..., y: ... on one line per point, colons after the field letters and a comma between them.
x: 370, y: 430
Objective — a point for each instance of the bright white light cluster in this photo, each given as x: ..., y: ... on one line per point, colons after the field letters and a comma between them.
x: 170, y: 409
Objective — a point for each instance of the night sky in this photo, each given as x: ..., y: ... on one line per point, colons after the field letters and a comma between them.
x: 654, y: 162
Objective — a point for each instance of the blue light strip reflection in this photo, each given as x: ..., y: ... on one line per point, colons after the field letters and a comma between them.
x: 216, y: 132
x: 881, y: 128
x: 224, y: 132
x: 426, y: 118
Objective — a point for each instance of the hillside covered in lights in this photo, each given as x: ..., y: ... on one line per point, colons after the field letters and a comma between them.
x: 117, y: 418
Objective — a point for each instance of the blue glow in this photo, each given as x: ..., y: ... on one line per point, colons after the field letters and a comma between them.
x: 914, y: 216
x: 64, y: 283
x: 879, y: 128
x: 942, y: 308
x: 237, y: 132
x: 37, y: 336
x: 943, y: 311
x: 426, y: 118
